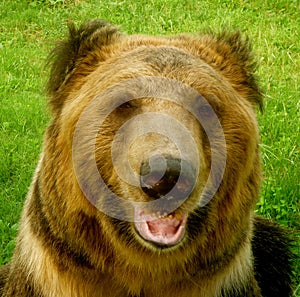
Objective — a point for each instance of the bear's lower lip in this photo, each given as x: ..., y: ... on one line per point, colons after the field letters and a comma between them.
x: 163, y: 230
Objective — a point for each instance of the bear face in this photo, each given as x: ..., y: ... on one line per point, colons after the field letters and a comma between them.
x: 149, y: 174
x: 183, y: 81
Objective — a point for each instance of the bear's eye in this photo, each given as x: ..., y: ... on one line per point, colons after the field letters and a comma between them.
x: 126, y: 105
x: 208, y: 107
x: 205, y: 110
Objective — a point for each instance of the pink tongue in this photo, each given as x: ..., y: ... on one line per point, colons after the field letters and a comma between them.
x: 164, y: 227
x: 164, y: 231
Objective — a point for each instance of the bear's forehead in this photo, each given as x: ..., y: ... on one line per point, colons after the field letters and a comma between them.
x: 162, y: 58
x: 155, y: 61
x: 163, y: 55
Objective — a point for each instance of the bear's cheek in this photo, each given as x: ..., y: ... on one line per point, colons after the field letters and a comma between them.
x: 241, y: 134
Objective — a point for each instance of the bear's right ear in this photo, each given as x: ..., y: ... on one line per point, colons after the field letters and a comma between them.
x: 76, y: 57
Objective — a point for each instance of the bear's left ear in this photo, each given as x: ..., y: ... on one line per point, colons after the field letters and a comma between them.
x: 77, y: 56
x: 231, y: 55
x: 239, y: 65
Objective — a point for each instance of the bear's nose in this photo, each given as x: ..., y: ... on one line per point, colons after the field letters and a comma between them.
x: 167, y: 176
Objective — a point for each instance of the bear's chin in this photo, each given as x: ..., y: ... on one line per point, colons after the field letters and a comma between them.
x: 162, y: 230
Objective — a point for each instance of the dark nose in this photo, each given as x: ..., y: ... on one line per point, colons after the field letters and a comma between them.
x: 170, y: 177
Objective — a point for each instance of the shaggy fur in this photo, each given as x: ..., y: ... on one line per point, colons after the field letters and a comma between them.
x: 66, y: 247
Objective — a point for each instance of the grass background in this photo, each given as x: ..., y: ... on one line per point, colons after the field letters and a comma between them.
x: 28, y: 30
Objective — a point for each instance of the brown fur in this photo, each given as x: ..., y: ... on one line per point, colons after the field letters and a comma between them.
x: 66, y: 247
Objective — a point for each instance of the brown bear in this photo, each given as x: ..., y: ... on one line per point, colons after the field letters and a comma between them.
x: 149, y: 174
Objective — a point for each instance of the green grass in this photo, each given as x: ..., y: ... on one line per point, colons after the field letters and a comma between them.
x: 28, y: 30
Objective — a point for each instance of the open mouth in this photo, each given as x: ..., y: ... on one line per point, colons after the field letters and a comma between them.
x: 167, y: 229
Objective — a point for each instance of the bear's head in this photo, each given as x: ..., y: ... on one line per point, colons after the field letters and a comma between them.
x: 153, y: 145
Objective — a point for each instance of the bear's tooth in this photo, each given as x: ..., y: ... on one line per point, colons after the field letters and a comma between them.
x: 178, y: 216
